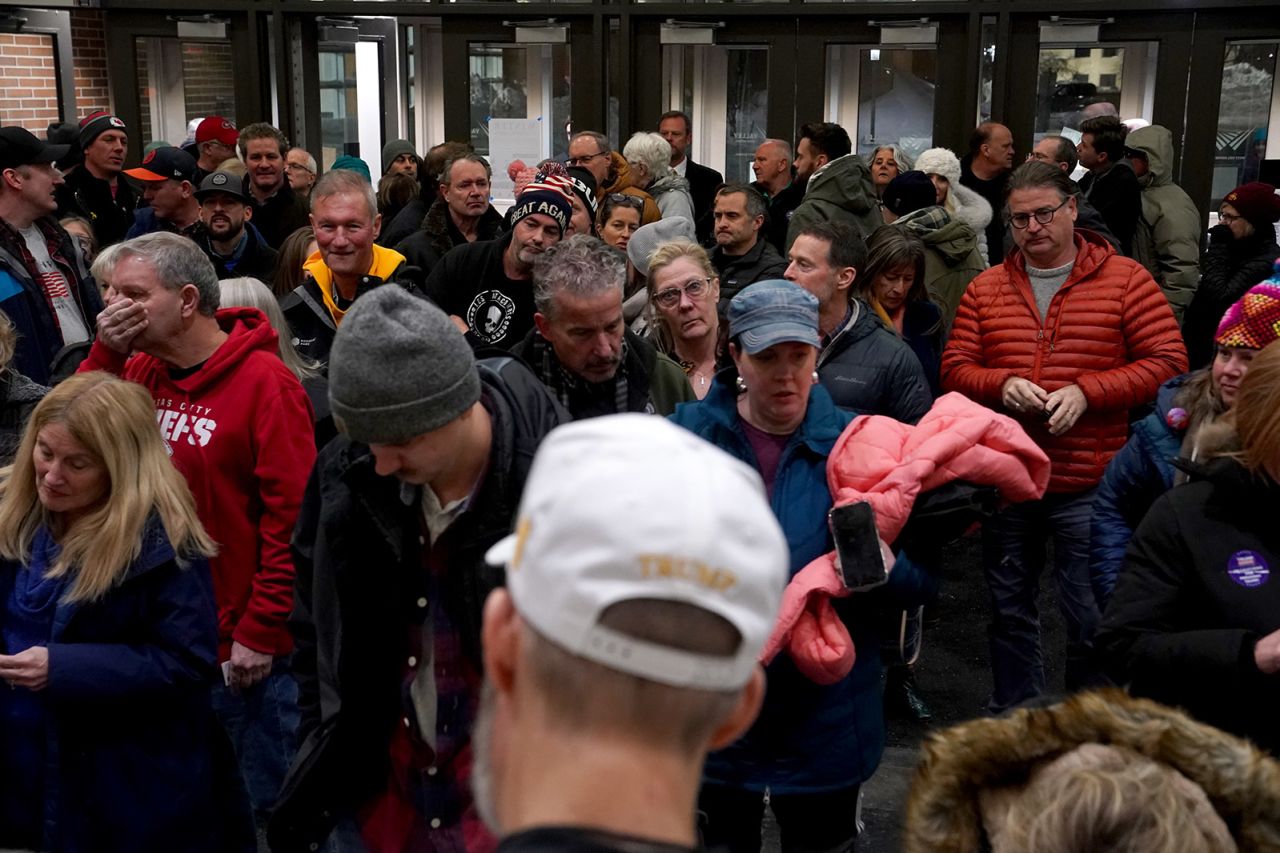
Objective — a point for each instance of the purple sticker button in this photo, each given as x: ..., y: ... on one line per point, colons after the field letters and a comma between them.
x: 1248, y: 569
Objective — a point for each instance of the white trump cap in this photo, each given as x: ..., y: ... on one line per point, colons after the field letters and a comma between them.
x: 632, y: 507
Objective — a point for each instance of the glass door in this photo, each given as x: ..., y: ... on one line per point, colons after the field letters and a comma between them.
x: 882, y: 95
x: 725, y: 92
x: 357, y: 64
x: 1248, y: 133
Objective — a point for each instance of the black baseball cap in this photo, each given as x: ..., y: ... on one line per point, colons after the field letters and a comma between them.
x: 20, y: 147
x: 163, y: 164
x: 222, y: 182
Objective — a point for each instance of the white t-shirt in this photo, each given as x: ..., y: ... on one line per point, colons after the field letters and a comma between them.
x: 74, y: 328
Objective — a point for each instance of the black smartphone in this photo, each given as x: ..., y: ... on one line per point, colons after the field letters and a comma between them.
x: 858, y: 555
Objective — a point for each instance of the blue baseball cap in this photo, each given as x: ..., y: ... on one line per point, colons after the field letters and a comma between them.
x: 773, y: 312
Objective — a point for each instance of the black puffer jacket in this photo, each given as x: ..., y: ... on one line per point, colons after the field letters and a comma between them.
x: 359, y: 552
x: 1229, y: 268
x: 438, y: 234
x: 1197, y: 591
x: 868, y: 369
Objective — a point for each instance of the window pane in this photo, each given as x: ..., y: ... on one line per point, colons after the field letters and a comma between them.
x: 1248, y: 80
x: 1072, y: 79
x: 748, y: 100
x: 882, y: 96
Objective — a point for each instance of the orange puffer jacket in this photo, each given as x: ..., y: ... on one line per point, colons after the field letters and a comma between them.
x: 1109, y: 330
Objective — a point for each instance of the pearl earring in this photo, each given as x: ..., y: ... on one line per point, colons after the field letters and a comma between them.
x: 741, y: 385
x: 815, y: 377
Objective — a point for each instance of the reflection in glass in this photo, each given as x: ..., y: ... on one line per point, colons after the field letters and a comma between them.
x: 1071, y: 79
x: 882, y: 96
x: 531, y: 81
x: 986, y: 69
x: 181, y: 80
x: 411, y: 77
x: 339, y: 112
x: 1248, y: 80
x: 748, y: 102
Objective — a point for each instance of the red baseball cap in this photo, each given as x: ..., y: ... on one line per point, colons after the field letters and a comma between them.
x: 217, y: 127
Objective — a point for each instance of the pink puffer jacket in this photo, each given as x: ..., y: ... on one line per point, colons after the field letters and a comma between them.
x: 889, y: 463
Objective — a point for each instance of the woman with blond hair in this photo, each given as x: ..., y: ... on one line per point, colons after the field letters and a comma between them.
x: 1195, y: 617
x: 108, y: 633
x: 252, y: 293
x: 683, y: 321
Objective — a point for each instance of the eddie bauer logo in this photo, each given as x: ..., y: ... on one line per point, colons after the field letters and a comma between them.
x: 186, y: 423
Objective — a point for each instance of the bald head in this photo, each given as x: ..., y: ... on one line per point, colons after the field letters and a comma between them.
x: 772, y: 165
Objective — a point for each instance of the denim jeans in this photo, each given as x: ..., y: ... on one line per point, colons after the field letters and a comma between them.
x: 262, y: 725
x: 1014, y: 542
x: 733, y: 820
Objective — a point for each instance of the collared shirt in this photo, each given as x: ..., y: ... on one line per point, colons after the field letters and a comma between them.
x: 681, y: 167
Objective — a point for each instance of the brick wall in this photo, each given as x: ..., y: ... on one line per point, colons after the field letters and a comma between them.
x: 207, y: 78
x: 89, y: 58
x: 28, y: 82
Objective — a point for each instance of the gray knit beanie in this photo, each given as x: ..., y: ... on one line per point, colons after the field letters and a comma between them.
x: 394, y: 149
x: 398, y: 368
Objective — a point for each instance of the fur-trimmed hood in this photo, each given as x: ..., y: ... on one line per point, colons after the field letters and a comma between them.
x: 944, y: 811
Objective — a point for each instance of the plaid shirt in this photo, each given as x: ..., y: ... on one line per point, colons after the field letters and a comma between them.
x: 427, y: 804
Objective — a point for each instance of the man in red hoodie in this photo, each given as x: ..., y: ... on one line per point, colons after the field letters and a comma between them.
x: 238, y: 426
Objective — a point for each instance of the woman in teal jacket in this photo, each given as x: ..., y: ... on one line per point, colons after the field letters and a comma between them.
x: 813, y: 745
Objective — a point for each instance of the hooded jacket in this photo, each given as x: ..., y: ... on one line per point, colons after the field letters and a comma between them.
x: 671, y: 193
x: 974, y: 211
x: 360, y: 550
x: 1195, y: 595
x: 841, y: 191
x: 869, y: 370
x: 240, y: 430
x: 1230, y: 268
x: 1108, y: 331
x: 313, y: 314
x: 24, y: 302
x: 1167, y: 239
x: 624, y: 183
x: 127, y: 709
x: 966, y: 763
x: 438, y: 234
x: 951, y: 255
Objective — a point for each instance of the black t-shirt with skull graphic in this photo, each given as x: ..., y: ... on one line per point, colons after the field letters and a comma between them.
x: 469, y: 282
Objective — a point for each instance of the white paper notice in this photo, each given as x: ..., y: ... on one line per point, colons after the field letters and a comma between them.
x: 513, y: 139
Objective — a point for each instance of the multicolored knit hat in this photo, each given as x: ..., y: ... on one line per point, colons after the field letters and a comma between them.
x: 1254, y: 321
x: 546, y: 199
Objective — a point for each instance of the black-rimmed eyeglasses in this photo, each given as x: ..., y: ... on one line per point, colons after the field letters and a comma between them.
x: 1044, y: 216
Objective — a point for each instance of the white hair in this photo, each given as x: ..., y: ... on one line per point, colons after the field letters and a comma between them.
x: 650, y: 150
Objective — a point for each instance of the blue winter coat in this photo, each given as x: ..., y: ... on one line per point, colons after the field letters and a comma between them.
x: 809, y: 738
x: 128, y: 714
x: 1141, y: 472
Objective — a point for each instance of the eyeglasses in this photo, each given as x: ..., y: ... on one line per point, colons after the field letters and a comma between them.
x: 1044, y: 216
x: 615, y: 199
x: 670, y: 297
x: 1228, y: 218
x: 585, y: 159
x: 296, y: 166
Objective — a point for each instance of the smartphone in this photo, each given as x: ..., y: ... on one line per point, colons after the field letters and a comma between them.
x: 858, y: 555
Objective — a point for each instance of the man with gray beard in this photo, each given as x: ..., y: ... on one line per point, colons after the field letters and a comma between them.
x: 618, y: 655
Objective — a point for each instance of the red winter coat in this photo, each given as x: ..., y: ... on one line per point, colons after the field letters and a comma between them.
x: 239, y: 429
x: 1109, y: 330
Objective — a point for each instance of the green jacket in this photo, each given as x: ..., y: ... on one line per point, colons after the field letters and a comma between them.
x: 951, y: 256
x: 1167, y: 240
x: 840, y: 191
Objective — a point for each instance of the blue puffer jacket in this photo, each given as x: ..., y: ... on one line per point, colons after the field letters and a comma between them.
x: 127, y: 751
x: 809, y: 738
x: 1141, y: 472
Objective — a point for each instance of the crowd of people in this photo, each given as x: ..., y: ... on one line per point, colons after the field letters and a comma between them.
x: 359, y: 515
